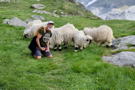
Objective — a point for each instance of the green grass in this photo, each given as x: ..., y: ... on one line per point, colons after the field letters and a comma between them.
x: 67, y: 70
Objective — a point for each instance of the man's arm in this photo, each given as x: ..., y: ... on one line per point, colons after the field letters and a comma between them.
x: 38, y: 41
x: 48, y: 48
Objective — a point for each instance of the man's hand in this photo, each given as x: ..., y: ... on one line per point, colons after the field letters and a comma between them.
x: 47, y: 50
x: 43, y: 49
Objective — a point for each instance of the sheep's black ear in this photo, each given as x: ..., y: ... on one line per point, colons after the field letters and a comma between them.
x: 76, y: 49
x: 59, y: 48
x: 113, y: 47
x: 55, y: 48
x: 25, y: 36
x: 90, y: 41
x: 87, y: 40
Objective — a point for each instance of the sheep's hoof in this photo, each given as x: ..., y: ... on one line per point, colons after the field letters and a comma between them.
x: 113, y: 47
x: 55, y: 49
x: 107, y: 46
x: 75, y: 50
x: 65, y: 47
x: 81, y: 49
x: 60, y: 49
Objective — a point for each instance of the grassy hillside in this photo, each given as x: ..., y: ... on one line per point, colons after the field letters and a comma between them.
x: 67, y: 70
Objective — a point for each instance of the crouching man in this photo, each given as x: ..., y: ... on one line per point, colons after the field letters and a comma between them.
x: 39, y: 45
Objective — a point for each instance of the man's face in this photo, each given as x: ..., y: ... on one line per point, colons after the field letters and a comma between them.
x: 49, y: 26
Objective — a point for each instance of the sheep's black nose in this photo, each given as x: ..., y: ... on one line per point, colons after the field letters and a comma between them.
x: 113, y: 47
x: 25, y: 36
x: 90, y: 41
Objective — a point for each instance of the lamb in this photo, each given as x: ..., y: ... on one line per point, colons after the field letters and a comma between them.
x: 68, y: 31
x: 34, y: 22
x: 81, y: 40
x: 32, y: 29
x: 56, y: 40
x: 101, y: 35
x: 63, y: 35
x: 68, y: 34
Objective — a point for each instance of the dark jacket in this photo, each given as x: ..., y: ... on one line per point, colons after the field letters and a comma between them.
x: 33, y: 45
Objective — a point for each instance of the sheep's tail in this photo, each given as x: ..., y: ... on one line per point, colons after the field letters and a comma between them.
x: 113, y: 38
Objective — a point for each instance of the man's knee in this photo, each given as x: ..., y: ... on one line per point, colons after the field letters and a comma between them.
x: 38, y: 57
x: 50, y: 56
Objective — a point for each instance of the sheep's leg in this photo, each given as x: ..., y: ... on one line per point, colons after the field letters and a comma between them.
x: 102, y: 43
x: 84, y: 46
x: 81, y: 48
x: 76, y: 48
x: 110, y: 45
x: 65, y: 45
x: 55, y: 47
x: 26, y: 36
x: 59, y: 48
x: 99, y: 43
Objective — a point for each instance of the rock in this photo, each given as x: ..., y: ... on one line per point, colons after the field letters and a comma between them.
x: 38, y: 6
x: 58, y: 13
x: 127, y: 42
x: 130, y: 13
x: 45, y: 12
x: 28, y: 20
x: 15, y: 22
x: 127, y: 13
x: 37, y: 17
x: 121, y: 59
x: 71, y: 1
x: 111, y: 9
x: 5, y: 21
x: 41, y: 11
x: 115, y: 14
x: 55, y: 15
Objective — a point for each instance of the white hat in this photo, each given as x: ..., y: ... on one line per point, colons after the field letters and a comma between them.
x: 50, y: 22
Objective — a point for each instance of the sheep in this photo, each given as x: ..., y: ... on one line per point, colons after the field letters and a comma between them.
x: 33, y: 28
x: 68, y: 31
x: 101, y: 35
x: 68, y: 34
x: 63, y: 35
x: 56, y: 40
x: 81, y: 40
x: 30, y: 24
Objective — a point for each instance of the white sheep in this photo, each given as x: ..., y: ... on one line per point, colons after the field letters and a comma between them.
x: 56, y: 40
x: 33, y: 28
x: 34, y: 22
x: 68, y: 31
x: 62, y: 35
x: 81, y: 40
x: 102, y: 34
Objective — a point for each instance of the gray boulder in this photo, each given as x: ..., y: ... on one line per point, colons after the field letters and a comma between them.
x: 125, y: 12
x: 5, y: 21
x: 121, y: 59
x: 124, y: 43
x: 45, y: 12
x: 28, y: 20
x: 37, y: 17
x: 41, y: 11
x: 38, y: 6
x: 15, y: 22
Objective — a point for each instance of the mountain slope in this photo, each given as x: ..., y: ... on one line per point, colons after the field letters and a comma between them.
x: 65, y: 6
x: 103, y: 8
x: 67, y: 70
